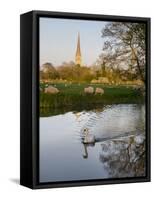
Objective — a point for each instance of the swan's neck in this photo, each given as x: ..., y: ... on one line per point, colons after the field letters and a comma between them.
x: 86, y: 132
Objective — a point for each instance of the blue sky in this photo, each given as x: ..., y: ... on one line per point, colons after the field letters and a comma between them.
x: 58, y: 40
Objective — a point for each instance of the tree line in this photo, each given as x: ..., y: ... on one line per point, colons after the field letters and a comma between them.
x: 122, y: 58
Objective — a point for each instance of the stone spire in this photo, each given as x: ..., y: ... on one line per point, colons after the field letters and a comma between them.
x: 78, y: 52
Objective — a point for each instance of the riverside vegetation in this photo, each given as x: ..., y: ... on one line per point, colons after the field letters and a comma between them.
x: 72, y: 96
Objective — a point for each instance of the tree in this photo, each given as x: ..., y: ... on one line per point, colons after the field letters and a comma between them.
x: 48, y: 72
x: 124, y: 45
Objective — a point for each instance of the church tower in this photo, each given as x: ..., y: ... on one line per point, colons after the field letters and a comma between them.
x: 78, y: 52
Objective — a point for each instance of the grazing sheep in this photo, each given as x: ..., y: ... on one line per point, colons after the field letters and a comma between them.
x: 104, y: 80
x: 89, y: 90
x: 52, y: 90
x: 136, y: 87
x: 99, y: 91
x: 140, y: 89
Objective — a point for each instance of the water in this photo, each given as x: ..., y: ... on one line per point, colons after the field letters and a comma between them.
x: 118, y: 149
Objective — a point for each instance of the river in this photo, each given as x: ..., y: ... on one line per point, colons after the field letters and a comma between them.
x: 118, y: 149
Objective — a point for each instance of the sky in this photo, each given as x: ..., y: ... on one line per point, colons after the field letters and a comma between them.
x: 58, y: 40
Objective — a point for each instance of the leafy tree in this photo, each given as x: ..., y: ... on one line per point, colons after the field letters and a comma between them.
x: 48, y: 72
x: 124, y: 45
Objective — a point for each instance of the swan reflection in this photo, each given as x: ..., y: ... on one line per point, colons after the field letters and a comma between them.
x: 94, y: 144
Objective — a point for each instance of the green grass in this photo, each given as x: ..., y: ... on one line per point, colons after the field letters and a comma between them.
x: 72, y: 96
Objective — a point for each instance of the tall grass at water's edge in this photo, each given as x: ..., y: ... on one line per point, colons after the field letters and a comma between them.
x: 73, y: 96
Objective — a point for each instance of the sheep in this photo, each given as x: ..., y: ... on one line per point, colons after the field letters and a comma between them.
x: 140, y: 89
x: 52, y: 90
x: 99, y: 91
x: 89, y: 90
x: 135, y: 87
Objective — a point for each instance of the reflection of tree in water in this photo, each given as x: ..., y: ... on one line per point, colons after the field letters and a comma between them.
x: 124, y: 157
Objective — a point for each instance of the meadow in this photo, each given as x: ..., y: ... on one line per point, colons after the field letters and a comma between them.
x: 72, y: 97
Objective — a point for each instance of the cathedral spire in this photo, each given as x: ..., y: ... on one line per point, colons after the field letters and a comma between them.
x: 78, y: 52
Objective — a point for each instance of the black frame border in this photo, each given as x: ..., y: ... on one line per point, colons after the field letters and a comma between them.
x: 35, y: 15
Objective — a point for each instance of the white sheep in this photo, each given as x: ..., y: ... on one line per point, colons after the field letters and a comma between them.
x: 99, y: 91
x: 89, y: 90
x: 52, y: 90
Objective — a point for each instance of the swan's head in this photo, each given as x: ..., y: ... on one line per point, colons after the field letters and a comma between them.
x: 85, y: 130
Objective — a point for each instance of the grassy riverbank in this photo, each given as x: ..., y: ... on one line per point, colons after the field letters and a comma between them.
x: 72, y: 96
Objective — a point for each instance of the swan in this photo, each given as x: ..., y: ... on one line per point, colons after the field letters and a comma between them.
x: 88, y: 138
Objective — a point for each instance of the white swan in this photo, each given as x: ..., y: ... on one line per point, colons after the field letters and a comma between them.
x: 88, y: 138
